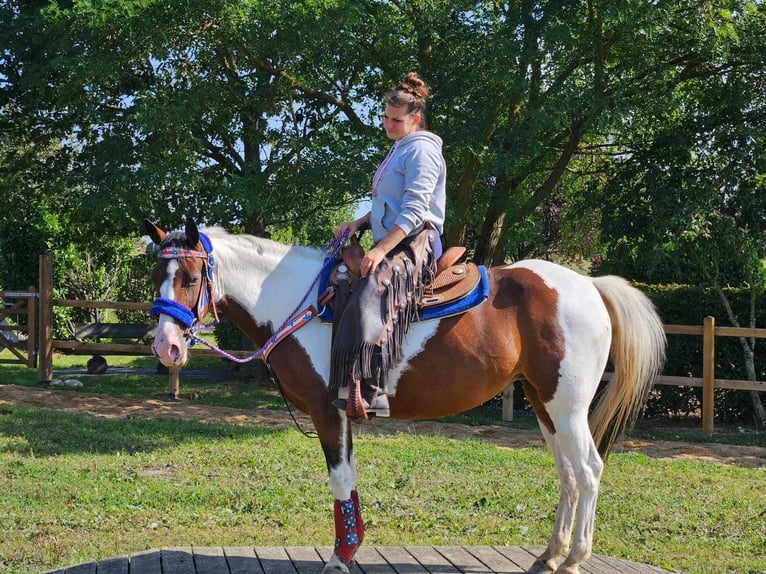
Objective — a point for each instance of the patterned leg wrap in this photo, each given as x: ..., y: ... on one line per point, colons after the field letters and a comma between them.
x: 349, y: 530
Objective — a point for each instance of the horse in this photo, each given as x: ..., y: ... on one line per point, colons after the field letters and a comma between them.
x: 543, y: 324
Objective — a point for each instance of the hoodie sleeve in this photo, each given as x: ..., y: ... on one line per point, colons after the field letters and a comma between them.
x: 423, y: 164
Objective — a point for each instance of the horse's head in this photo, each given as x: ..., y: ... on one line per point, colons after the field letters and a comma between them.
x: 183, y: 282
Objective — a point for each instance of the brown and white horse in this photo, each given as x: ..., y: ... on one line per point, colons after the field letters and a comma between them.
x: 544, y: 324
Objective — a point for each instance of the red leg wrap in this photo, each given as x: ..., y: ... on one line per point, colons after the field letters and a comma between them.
x: 347, y: 539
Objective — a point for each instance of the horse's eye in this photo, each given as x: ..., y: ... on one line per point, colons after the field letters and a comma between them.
x: 191, y: 281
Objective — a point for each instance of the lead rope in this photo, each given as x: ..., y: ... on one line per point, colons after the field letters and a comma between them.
x: 333, y: 247
x: 304, y: 432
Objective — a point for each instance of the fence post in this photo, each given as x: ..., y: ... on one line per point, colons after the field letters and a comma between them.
x: 45, y: 332
x: 32, y: 342
x: 508, y: 403
x: 708, y: 375
x: 174, y: 383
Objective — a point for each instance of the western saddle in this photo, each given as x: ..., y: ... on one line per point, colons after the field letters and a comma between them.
x: 452, y: 280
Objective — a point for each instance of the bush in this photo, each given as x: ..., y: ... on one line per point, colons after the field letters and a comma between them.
x: 689, y: 305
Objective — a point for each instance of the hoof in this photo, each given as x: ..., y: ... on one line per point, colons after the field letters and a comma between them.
x: 574, y: 569
x: 542, y: 566
x: 335, y: 566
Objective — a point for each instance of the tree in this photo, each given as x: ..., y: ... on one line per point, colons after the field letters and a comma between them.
x: 690, y: 184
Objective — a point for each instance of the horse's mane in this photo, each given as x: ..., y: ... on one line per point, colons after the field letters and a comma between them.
x: 261, y: 245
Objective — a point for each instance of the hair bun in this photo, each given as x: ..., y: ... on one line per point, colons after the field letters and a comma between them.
x: 415, y: 85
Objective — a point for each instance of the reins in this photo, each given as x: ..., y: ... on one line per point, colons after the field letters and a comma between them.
x: 294, y: 321
x: 189, y: 319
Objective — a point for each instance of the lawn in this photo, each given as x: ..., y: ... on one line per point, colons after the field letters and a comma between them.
x: 77, y: 488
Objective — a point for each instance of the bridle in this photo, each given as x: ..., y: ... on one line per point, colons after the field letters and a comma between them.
x: 184, y: 315
x: 188, y: 318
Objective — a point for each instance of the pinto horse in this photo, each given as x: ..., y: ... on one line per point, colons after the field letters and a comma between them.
x: 544, y: 324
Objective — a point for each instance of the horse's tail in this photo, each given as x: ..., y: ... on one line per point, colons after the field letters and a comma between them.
x: 637, y: 354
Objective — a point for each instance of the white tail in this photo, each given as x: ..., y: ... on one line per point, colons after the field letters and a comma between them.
x: 637, y: 353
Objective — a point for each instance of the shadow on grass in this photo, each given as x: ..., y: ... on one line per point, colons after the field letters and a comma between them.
x: 44, y: 432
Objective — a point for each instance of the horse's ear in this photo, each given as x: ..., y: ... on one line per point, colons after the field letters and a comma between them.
x: 192, y: 233
x: 155, y: 233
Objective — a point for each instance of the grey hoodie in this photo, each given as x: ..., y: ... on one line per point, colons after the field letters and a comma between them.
x: 409, y: 186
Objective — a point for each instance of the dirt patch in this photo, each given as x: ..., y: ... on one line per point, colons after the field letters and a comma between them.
x: 119, y: 407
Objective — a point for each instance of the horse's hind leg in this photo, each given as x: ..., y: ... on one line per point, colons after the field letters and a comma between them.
x: 562, y: 528
x: 582, y: 464
x: 579, y: 468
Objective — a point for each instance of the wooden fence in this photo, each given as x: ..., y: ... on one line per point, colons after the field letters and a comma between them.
x: 40, y: 344
x: 139, y: 332
x: 708, y: 382
x: 18, y: 326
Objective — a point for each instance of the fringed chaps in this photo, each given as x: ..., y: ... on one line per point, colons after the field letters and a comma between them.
x: 369, y: 330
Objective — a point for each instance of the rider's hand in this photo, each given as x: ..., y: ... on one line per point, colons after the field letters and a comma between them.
x: 350, y: 226
x: 371, y: 260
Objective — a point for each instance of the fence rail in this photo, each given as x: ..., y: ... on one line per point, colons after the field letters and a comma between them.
x: 40, y: 332
x: 708, y: 331
x: 25, y: 305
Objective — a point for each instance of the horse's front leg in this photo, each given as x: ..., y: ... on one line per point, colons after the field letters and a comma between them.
x: 349, y: 528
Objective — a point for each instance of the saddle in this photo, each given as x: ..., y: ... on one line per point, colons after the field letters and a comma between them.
x: 368, y: 335
x: 451, y: 282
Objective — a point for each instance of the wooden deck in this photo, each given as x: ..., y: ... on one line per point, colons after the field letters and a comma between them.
x: 370, y: 560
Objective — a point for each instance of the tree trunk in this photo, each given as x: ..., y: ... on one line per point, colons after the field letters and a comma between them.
x: 456, y: 228
x: 494, y: 219
x: 748, y: 349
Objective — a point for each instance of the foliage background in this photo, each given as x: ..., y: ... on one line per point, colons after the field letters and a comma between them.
x: 615, y: 137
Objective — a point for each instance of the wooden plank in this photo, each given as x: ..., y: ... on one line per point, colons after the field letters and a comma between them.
x: 242, y: 560
x: 80, y: 348
x: 89, y: 568
x: 371, y: 562
x: 114, y: 330
x: 522, y: 557
x: 116, y: 565
x: 740, y: 385
x: 326, y: 553
x: 494, y: 560
x: 740, y: 332
x: 177, y: 561
x: 462, y: 559
x: 434, y: 562
x: 305, y: 559
x: 146, y: 562
x: 679, y: 381
x: 593, y: 566
x: 274, y: 560
x: 401, y: 560
x: 45, y: 320
x: 683, y: 329
x: 89, y: 304
x: 708, y: 375
x: 210, y: 560
x: 617, y: 565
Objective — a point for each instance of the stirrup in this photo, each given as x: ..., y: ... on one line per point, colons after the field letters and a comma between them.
x: 357, y: 408
x: 379, y: 406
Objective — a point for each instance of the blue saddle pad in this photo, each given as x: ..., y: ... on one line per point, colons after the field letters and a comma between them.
x: 473, y: 298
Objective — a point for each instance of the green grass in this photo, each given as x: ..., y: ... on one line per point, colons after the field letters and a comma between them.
x: 247, y: 387
x: 78, y: 488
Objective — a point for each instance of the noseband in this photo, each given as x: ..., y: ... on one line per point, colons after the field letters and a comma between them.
x: 176, y: 310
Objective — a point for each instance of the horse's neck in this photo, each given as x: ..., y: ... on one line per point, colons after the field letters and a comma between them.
x: 266, y: 278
